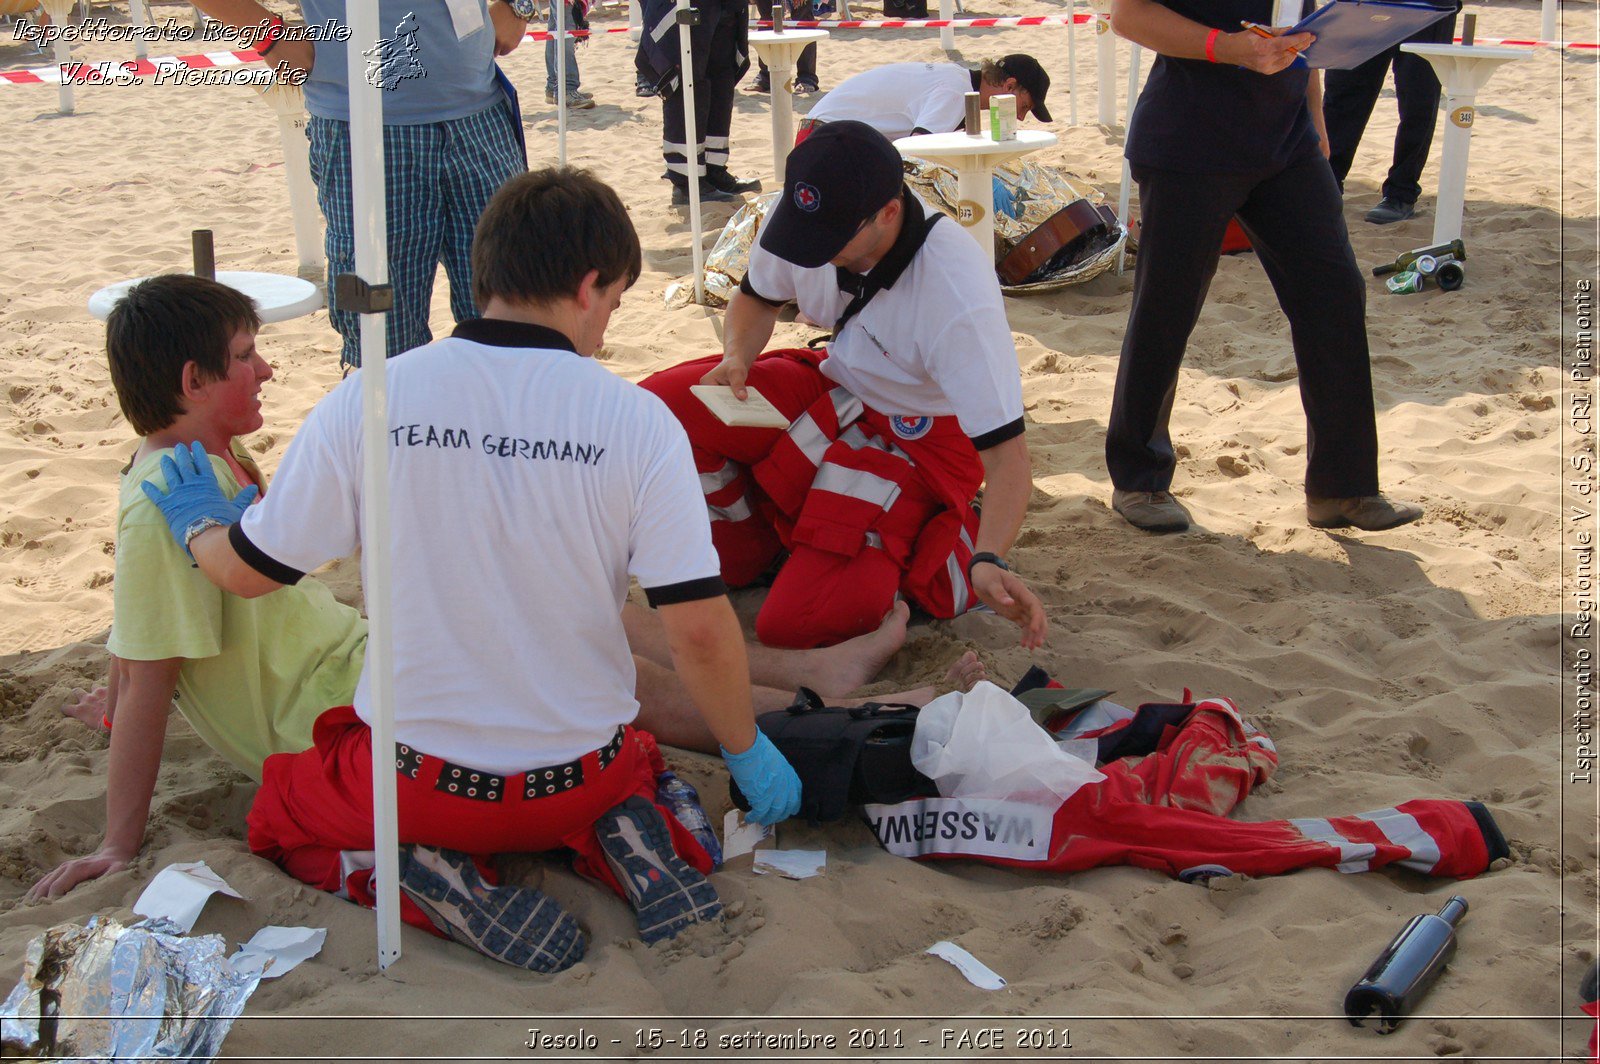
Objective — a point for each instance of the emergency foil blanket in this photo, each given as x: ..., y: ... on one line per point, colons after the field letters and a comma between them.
x: 1038, y: 191
x: 104, y: 991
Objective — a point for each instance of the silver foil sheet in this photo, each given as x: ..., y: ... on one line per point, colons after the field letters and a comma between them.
x: 1039, y: 191
x: 104, y: 991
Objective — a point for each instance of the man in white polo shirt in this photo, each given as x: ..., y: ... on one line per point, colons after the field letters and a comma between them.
x: 915, y: 403
x: 528, y: 483
x: 900, y: 99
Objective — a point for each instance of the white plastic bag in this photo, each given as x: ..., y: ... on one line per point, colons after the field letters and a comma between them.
x: 984, y: 744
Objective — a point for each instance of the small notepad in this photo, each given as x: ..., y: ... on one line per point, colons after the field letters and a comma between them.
x: 756, y: 412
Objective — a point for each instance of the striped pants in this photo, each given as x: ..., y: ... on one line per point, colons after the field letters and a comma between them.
x: 718, y: 65
x: 438, y: 177
x: 865, y: 513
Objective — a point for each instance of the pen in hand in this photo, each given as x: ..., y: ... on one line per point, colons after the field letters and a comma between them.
x: 1262, y: 31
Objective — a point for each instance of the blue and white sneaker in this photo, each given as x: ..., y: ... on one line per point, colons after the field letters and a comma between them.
x: 667, y: 895
x: 519, y: 926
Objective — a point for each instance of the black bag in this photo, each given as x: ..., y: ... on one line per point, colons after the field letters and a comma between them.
x: 844, y: 757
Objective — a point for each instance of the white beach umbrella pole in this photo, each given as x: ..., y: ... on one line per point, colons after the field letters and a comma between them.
x: 372, y: 267
x: 561, y: 79
x: 140, y: 19
x: 686, y: 18
x: 60, y: 12
x: 1072, y: 63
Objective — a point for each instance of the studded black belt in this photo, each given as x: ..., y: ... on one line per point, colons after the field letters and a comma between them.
x: 482, y: 786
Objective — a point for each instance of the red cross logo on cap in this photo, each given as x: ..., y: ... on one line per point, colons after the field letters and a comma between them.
x: 806, y: 197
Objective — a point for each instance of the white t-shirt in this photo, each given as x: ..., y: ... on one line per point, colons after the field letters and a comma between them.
x: 900, y: 97
x: 934, y: 343
x: 525, y: 485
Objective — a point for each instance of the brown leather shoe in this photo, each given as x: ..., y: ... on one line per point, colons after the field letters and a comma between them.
x: 1370, y: 513
x: 1153, y: 511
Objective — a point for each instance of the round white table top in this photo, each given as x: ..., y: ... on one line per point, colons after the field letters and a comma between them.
x: 959, y: 144
x: 1468, y: 51
x: 802, y: 36
x: 277, y: 297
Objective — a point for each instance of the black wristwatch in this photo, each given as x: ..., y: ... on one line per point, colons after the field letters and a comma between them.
x: 523, y: 9
x: 987, y: 556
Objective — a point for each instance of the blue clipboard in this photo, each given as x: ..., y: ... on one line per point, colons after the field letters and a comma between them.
x: 1349, y: 32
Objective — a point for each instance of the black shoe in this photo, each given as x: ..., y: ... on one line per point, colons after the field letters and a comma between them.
x: 720, y: 179
x: 644, y: 87
x: 1390, y: 210
x: 709, y: 193
x: 763, y: 82
x: 667, y: 895
x: 518, y: 926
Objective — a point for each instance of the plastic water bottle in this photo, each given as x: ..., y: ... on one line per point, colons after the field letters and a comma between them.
x: 684, y: 801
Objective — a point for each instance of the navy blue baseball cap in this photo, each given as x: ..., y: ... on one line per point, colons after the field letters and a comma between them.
x: 837, y: 178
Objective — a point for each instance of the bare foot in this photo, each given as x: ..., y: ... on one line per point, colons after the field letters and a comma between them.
x: 88, y: 708
x: 838, y: 670
x: 967, y: 672
x: 962, y: 675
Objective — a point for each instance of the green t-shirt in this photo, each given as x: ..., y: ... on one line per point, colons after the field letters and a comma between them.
x: 258, y: 672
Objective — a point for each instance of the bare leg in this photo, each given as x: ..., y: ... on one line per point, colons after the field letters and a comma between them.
x: 668, y: 713
x: 830, y: 671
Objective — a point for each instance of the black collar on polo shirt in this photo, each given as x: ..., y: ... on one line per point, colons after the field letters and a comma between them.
x: 500, y: 332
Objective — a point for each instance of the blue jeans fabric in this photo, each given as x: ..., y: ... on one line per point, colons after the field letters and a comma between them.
x: 550, y: 55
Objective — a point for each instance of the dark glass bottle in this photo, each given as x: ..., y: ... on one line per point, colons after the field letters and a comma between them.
x: 1406, y: 968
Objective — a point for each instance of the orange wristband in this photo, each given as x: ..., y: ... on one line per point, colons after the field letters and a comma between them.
x: 104, y: 719
x: 1211, y: 46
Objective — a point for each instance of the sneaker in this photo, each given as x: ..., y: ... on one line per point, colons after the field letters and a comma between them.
x: 1153, y: 511
x: 1390, y: 210
x: 576, y: 101
x: 763, y: 82
x: 518, y: 926
x: 666, y: 894
x: 709, y: 193
x: 805, y: 85
x: 719, y: 178
x: 1369, y: 513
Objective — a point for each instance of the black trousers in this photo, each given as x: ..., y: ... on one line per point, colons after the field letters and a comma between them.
x: 806, y: 65
x: 1294, y: 219
x: 1348, y: 97
x: 718, y: 65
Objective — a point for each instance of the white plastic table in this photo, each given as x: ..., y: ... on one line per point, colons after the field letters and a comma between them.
x: 1463, y: 70
x: 278, y: 298
x: 974, y: 160
x: 779, y: 51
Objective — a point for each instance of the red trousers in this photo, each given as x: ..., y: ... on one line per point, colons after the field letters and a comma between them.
x: 1166, y: 812
x: 868, y: 506
x: 316, y: 806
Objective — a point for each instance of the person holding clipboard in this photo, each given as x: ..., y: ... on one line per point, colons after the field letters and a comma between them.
x: 1229, y: 124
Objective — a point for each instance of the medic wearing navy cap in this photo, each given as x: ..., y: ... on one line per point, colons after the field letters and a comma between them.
x: 915, y: 403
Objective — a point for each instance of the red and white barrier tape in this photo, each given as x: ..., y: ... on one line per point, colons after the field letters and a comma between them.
x: 93, y: 73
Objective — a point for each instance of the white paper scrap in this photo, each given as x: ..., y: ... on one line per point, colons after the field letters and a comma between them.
x: 792, y: 864
x: 180, y: 891
x: 739, y: 837
x: 275, y: 951
x: 978, y: 974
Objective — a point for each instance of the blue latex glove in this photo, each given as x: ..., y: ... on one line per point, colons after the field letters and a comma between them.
x: 767, y: 780
x: 193, y: 492
x: 1005, y: 201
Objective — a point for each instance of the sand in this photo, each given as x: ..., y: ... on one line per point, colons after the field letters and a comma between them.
x: 1425, y: 662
